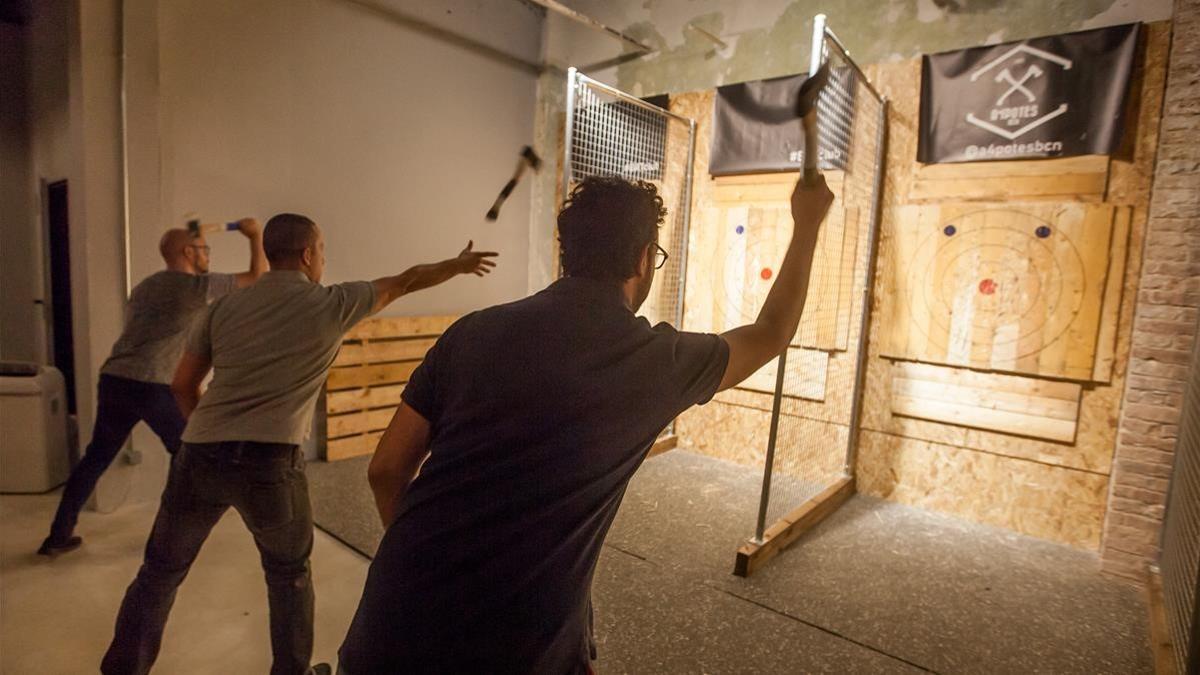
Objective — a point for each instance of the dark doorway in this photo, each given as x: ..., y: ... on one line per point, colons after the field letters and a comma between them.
x: 59, y: 236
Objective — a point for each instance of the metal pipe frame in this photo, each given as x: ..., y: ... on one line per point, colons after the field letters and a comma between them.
x: 568, y: 136
x: 617, y: 93
x: 816, y: 57
x: 864, y: 323
x: 833, y: 40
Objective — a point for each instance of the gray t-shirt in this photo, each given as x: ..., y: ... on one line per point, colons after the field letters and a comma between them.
x: 271, y: 346
x: 158, y: 316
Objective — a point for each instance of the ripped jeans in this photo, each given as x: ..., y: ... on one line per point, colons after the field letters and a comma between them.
x: 265, y: 484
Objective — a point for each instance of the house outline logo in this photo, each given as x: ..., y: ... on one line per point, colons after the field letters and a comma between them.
x: 1026, y: 104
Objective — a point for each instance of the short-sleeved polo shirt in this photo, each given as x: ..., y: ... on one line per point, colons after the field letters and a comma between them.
x: 540, y: 411
x: 271, y: 346
x: 158, y: 316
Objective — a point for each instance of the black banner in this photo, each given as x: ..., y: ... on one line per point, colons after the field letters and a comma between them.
x: 756, y: 130
x: 1052, y: 96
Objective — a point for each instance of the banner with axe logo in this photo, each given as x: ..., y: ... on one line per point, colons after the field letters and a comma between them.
x: 1053, y: 96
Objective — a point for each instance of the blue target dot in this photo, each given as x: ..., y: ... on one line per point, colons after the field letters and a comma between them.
x: 740, y: 229
x: 1042, y: 232
x: 950, y: 230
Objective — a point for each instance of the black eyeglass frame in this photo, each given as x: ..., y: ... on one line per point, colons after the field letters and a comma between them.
x: 658, y: 265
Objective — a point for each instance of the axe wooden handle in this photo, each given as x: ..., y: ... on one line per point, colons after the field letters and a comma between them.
x: 197, y: 227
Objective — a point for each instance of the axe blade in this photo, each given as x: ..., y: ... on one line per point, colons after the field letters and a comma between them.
x: 806, y: 98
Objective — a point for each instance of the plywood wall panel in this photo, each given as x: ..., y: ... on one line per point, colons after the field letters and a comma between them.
x: 1088, y: 460
x: 1028, y: 497
x: 1050, y: 489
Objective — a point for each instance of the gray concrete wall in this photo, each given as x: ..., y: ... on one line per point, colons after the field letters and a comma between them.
x: 769, y: 38
x: 393, y: 125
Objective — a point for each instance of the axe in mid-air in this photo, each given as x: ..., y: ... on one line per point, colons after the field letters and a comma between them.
x: 528, y: 158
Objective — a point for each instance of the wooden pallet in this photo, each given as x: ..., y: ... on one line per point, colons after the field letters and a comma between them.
x: 364, y: 386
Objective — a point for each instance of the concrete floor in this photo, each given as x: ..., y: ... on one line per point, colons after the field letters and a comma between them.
x: 57, y: 616
x: 877, y: 588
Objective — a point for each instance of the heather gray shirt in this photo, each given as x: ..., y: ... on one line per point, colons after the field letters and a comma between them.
x: 160, y: 312
x: 271, y: 346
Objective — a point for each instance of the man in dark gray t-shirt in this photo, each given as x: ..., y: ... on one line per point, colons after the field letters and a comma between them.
x: 269, y: 348
x: 526, y: 422
x: 134, y: 381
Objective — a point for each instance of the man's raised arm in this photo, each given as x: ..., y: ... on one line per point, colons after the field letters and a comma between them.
x: 418, y: 277
x: 258, y: 259
x: 752, y: 345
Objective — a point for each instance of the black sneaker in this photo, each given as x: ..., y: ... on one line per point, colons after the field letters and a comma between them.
x: 53, y: 548
x: 320, y: 669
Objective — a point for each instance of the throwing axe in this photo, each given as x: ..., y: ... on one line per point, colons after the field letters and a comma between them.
x: 528, y: 158
x: 197, y: 228
x: 806, y: 109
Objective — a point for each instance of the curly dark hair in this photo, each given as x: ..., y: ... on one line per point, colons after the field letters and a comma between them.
x: 605, y: 225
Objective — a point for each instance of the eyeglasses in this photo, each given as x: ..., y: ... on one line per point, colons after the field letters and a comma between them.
x: 207, y: 249
x: 660, y: 257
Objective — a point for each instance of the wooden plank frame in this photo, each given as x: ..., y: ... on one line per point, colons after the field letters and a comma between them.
x: 761, y: 204
x: 1012, y: 404
x: 962, y: 326
x: 1070, y: 178
x: 368, y: 376
x: 665, y: 443
x: 1161, y: 644
x: 753, y: 555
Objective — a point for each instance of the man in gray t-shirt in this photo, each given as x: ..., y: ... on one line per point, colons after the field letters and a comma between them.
x: 135, y: 380
x: 269, y: 348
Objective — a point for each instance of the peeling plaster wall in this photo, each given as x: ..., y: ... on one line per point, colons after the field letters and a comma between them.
x: 768, y: 38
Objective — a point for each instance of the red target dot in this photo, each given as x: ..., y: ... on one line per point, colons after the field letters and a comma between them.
x: 987, y: 287
x: 765, y: 273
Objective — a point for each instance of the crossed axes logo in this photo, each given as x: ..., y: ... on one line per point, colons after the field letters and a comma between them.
x: 1012, y: 113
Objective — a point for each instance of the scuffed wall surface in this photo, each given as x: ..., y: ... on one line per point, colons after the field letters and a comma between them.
x: 770, y: 38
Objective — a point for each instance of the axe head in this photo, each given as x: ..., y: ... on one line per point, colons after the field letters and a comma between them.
x: 806, y: 98
x: 193, y: 226
x: 531, y: 157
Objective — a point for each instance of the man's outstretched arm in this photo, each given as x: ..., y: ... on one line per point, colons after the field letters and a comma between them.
x: 399, y: 455
x: 419, y: 277
x: 258, y: 258
x: 752, y: 345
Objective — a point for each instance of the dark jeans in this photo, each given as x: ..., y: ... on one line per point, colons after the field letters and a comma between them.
x: 122, y: 404
x: 265, y: 483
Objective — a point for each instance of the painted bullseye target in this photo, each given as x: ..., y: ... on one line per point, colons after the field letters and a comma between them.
x: 748, y: 268
x: 994, y: 280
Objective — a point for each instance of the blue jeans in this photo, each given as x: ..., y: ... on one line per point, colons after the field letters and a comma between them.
x: 265, y: 484
x: 122, y: 403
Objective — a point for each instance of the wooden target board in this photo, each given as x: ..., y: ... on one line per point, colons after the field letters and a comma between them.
x: 753, y: 227
x: 1004, y: 287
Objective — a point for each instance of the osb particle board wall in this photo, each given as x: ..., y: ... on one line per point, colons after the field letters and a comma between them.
x: 1055, y: 490
x: 1050, y: 489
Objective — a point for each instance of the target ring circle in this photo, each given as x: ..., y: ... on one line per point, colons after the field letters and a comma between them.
x: 972, y: 274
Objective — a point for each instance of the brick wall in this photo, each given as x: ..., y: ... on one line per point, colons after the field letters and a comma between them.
x: 1164, y: 326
